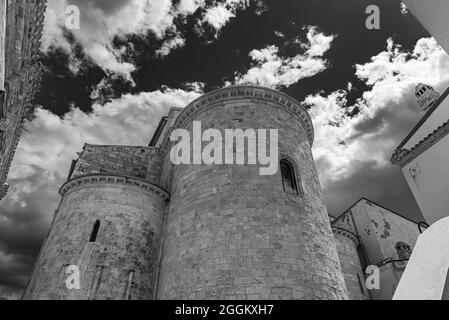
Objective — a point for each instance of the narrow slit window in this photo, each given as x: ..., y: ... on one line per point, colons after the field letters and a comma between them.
x: 288, y: 177
x: 129, y: 285
x: 2, y: 104
x: 2, y: 141
x: 93, y: 235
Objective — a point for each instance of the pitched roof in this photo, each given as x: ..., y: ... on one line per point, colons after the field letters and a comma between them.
x: 381, y: 206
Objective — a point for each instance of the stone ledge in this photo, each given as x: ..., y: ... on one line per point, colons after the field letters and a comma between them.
x: 244, y: 92
x: 402, y: 157
x: 151, y: 150
x: 347, y: 234
x: 114, y: 179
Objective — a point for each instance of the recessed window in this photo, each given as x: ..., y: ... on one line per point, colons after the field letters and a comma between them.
x: 94, y: 233
x: 2, y: 104
x: 2, y: 141
x: 288, y: 177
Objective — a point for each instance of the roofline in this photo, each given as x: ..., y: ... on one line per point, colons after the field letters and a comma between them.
x: 377, y: 204
x: 423, y: 119
x: 157, y: 133
x: 250, y: 91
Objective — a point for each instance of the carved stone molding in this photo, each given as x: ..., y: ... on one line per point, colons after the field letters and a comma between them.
x: 121, y: 148
x: 85, y: 180
x: 210, y: 100
x: 346, y: 233
x: 402, y: 157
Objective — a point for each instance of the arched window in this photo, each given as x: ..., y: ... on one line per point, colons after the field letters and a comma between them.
x: 93, y: 235
x: 288, y: 177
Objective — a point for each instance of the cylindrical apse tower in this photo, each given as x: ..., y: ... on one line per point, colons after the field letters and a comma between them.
x: 109, y: 227
x: 347, y: 247
x: 232, y: 233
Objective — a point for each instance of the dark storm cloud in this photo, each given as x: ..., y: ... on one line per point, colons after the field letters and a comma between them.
x: 382, y: 184
x: 62, y: 88
x: 23, y: 226
x: 397, y: 119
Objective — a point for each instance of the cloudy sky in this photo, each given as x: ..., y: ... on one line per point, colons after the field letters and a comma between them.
x: 131, y: 60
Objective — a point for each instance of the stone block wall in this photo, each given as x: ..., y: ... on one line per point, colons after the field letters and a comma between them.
x: 134, y: 161
x: 234, y: 234
x: 20, y: 74
x: 347, y: 244
x: 122, y: 262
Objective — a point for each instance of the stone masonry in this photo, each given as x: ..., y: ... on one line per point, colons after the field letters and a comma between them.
x: 20, y: 32
x: 347, y: 248
x: 194, y: 231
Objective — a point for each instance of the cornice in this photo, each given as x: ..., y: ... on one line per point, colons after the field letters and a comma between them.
x: 210, y: 100
x: 85, y: 180
x: 402, y: 157
x: 424, y: 119
x: 121, y: 148
x: 346, y: 233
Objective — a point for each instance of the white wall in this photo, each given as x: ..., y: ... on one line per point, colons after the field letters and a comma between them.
x: 430, y: 187
x: 425, y: 276
x: 436, y: 119
x: 433, y: 15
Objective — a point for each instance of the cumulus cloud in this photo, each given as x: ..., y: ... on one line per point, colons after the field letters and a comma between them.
x: 42, y: 161
x: 186, y: 7
x: 101, y: 21
x: 218, y: 16
x: 362, y: 136
x: 169, y: 45
x: 219, y: 13
x: 404, y: 9
x: 272, y: 70
x: 96, y: 32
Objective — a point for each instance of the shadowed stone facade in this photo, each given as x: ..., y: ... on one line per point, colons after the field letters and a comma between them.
x: 21, y: 24
x: 108, y: 184
x: 194, y: 231
x: 347, y: 247
x: 368, y: 234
